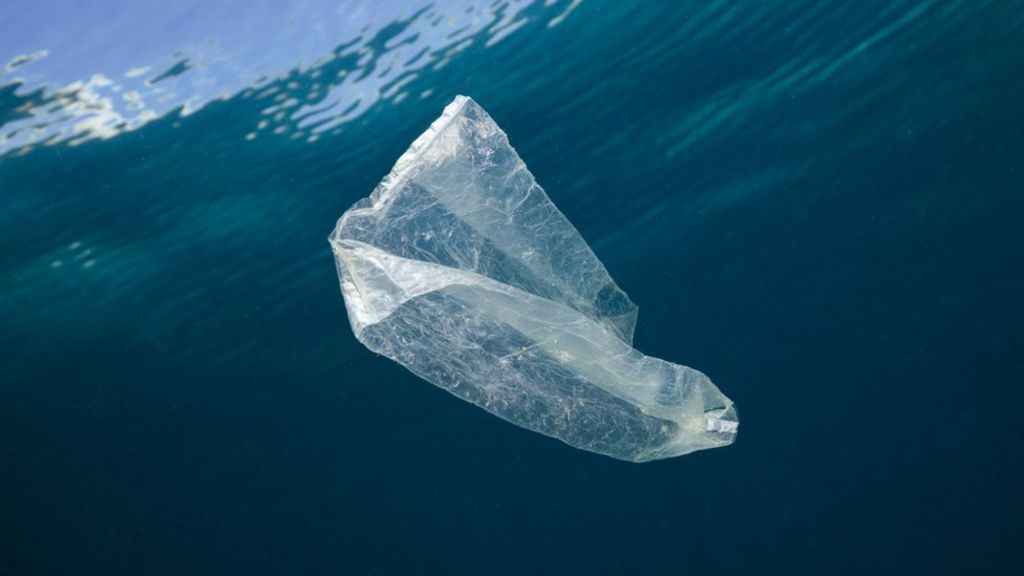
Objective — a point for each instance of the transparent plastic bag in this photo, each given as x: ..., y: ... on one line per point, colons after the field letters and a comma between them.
x: 459, y: 267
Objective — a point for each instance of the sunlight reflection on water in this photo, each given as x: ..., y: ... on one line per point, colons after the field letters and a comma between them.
x: 353, y: 56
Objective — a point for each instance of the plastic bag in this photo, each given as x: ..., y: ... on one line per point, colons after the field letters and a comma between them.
x: 459, y: 267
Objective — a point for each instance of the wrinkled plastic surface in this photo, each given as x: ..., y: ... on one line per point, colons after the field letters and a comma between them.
x: 459, y: 267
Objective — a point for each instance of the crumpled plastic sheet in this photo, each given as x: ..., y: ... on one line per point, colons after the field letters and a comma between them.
x: 459, y: 267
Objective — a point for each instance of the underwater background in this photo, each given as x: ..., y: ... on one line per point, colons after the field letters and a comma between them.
x: 819, y: 204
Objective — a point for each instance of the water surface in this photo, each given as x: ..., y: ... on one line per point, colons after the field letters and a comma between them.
x: 816, y: 203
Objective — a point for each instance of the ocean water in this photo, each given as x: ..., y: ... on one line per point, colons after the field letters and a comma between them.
x: 818, y: 204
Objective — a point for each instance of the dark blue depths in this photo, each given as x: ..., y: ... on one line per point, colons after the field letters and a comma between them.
x: 819, y: 204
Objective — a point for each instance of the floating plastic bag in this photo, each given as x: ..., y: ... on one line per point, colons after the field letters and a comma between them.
x: 460, y: 268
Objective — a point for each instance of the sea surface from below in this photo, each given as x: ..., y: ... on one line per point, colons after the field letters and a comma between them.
x: 818, y: 204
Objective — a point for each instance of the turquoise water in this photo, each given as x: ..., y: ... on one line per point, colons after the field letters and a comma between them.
x: 816, y: 203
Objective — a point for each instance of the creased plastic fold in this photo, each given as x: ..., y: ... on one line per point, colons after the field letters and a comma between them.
x: 459, y: 267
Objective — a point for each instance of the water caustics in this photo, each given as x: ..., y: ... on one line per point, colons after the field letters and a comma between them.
x: 459, y: 267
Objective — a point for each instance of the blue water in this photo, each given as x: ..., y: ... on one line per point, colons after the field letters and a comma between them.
x: 818, y: 204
